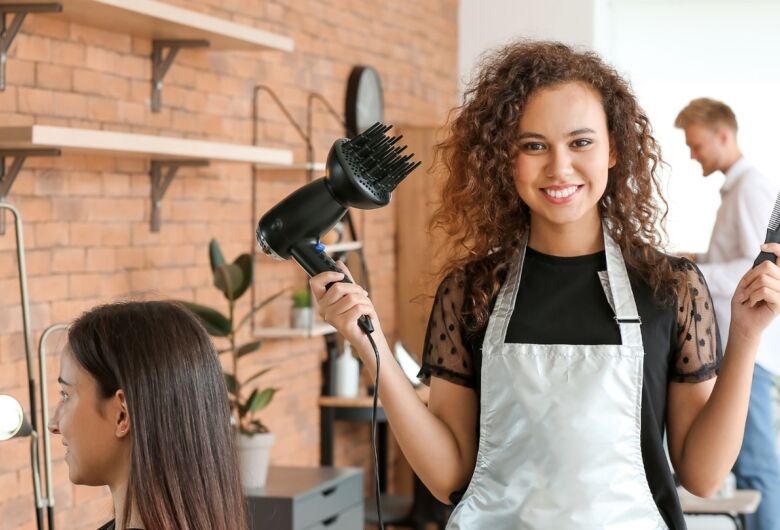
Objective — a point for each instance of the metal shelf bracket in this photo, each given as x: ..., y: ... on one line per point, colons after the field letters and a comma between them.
x: 9, y: 31
x: 162, y: 61
x: 162, y: 173
x: 8, y: 175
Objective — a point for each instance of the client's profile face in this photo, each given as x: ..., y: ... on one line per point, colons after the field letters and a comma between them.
x: 86, y: 423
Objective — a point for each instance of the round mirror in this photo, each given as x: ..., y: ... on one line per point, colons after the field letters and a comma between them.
x: 11, y: 419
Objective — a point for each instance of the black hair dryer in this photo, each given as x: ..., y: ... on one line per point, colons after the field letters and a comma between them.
x: 360, y: 173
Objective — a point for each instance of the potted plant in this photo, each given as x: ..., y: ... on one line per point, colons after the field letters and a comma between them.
x: 302, y: 313
x: 246, y: 401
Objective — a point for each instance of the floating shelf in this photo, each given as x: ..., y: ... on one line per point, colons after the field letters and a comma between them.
x: 347, y: 246
x: 167, y: 154
x: 70, y: 139
x: 158, y: 20
x: 317, y: 166
x: 319, y: 329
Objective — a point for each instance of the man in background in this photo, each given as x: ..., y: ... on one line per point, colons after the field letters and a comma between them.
x: 747, y: 199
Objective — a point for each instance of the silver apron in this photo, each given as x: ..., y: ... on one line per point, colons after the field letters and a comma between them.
x: 559, y: 425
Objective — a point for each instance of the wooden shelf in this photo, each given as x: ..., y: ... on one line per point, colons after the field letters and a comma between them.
x: 316, y: 166
x: 158, y: 20
x: 70, y: 139
x: 344, y: 247
x: 319, y: 329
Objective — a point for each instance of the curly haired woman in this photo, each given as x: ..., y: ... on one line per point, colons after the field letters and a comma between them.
x: 563, y: 344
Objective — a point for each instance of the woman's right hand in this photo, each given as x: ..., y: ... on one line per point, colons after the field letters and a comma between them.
x: 343, y: 304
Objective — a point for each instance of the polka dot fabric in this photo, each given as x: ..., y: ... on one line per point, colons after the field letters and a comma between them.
x: 694, y: 358
x: 697, y: 357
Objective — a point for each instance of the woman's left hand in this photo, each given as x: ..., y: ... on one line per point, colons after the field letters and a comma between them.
x: 756, y: 300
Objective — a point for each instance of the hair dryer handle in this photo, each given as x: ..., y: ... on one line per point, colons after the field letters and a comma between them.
x: 314, y: 260
x: 772, y: 236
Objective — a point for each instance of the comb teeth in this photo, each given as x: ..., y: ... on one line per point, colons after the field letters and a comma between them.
x: 379, y: 158
x: 774, y: 220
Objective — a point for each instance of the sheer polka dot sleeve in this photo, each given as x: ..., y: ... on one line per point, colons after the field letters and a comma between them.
x: 698, y: 353
x: 445, y: 354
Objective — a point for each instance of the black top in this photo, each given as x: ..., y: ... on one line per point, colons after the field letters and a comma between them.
x: 561, y: 301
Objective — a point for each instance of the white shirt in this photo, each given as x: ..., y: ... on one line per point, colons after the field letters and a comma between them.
x: 747, y: 200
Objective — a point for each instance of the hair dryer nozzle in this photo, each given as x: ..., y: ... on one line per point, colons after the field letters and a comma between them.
x: 364, y: 171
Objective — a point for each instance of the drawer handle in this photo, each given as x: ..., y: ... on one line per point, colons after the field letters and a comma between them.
x: 329, y: 491
x: 330, y: 520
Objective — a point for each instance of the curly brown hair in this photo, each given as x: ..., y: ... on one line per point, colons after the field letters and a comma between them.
x: 481, y: 211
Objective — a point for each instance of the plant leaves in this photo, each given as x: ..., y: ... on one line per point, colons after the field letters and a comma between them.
x: 258, y: 374
x: 245, y: 264
x: 227, y: 278
x: 243, y: 408
x: 249, y: 348
x: 215, y: 322
x: 215, y: 255
x: 262, y: 399
x: 232, y: 384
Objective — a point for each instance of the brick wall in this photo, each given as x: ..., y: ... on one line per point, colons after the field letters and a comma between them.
x: 86, y: 224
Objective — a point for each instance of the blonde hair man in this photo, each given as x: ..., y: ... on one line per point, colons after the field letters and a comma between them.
x: 747, y: 198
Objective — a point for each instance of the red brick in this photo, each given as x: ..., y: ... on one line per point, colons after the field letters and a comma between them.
x: 69, y: 104
x: 67, y: 259
x: 71, y: 53
x: 51, y: 234
x: 50, y: 26
x: 35, y: 101
x: 49, y: 288
x: 102, y: 109
x: 101, y: 259
x: 54, y: 76
x: 21, y: 72
x: 97, y: 39
x: 84, y: 285
x: 31, y: 47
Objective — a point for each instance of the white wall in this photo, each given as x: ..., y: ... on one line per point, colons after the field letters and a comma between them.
x: 674, y: 51
x: 486, y: 24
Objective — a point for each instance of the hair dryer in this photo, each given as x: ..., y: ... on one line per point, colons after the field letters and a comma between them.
x: 360, y: 173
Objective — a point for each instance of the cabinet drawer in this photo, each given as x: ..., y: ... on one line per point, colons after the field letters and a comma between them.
x: 349, y: 519
x: 321, y: 504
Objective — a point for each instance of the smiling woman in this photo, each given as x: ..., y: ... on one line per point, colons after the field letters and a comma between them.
x: 563, y: 344
x: 144, y: 410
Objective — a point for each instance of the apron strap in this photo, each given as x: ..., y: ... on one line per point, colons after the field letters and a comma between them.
x: 626, y: 314
x: 617, y: 289
x: 498, y: 323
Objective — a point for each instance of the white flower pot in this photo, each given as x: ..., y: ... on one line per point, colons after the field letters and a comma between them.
x: 302, y: 317
x: 254, y: 453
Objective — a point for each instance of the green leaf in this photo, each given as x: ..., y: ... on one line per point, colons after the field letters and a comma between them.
x: 227, y: 278
x: 262, y: 399
x: 258, y: 374
x: 249, y: 348
x: 215, y: 255
x: 243, y: 262
x: 231, y: 383
x: 243, y: 408
x: 215, y: 322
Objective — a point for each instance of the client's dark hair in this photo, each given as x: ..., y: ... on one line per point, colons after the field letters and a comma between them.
x: 184, y: 470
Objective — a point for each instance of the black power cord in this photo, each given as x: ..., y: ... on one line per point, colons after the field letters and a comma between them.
x: 373, y: 435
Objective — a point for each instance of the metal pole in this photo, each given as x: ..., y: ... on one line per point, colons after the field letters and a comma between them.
x: 49, y: 500
x: 25, y: 301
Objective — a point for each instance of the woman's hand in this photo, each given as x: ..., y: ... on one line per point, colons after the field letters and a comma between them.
x: 756, y: 300
x: 342, y: 305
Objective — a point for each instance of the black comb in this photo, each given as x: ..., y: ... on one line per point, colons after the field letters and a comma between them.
x: 772, y: 234
x: 372, y: 164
